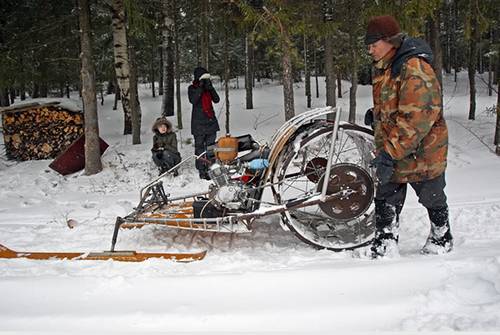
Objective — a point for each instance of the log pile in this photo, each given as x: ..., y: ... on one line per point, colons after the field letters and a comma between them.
x: 39, y: 130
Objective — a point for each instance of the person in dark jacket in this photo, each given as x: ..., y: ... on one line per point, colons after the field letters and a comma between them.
x: 204, y: 124
x: 411, y: 137
x: 165, y: 153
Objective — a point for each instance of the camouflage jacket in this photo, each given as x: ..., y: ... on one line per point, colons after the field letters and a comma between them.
x: 409, y: 123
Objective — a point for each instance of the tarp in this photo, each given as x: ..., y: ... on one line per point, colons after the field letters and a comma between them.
x: 72, y: 159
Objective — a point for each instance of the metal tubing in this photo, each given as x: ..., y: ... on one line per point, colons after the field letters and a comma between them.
x: 118, y: 223
x: 330, y: 154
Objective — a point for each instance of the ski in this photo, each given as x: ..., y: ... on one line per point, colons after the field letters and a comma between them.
x: 121, y: 256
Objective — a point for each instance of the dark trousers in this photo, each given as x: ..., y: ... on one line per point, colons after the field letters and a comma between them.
x: 430, y: 193
x: 201, y: 142
x: 389, y: 201
x: 166, y: 160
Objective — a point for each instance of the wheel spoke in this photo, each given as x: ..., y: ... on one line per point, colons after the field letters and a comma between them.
x: 302, y: 173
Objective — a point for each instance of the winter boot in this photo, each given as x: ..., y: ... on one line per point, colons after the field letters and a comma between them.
x: 440, y: 240
x: 204, y: 175
x: 386, y: 238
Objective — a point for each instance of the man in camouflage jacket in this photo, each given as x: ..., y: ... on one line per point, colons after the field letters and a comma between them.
x: 411, y: 137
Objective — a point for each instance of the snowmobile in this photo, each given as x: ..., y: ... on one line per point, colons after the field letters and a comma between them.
x: 316, y: 168
x: 318, y: 172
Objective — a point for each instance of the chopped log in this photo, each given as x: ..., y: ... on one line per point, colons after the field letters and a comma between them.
x: 40, y: 130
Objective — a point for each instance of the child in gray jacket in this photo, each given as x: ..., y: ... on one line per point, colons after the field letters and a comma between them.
x: 165, y: 153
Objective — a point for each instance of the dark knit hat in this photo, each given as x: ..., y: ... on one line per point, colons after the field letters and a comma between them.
x: 198, y: 72
x: 380, y: 27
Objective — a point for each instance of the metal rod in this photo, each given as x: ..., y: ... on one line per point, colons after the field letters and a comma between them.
x: 154, y: 181
x: 326, y: 181
x: 118, y: 223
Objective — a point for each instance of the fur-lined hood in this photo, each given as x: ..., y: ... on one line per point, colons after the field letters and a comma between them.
x: 159, y: 121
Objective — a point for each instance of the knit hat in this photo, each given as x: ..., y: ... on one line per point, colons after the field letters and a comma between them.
x: 380, y: 27
x: 198, y: 72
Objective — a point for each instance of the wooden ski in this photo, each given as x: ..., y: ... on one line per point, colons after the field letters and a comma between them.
x: 121, y: 256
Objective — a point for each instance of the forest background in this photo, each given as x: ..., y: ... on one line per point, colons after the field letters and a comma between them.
x: 51, y: 48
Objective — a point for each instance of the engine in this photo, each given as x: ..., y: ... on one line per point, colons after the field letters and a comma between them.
x: 227, y: 192
x: 232, y: 188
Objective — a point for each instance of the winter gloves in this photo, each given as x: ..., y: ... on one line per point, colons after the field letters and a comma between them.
x: 369, y: 118
x: 205, y: 82
x: 384, y: 165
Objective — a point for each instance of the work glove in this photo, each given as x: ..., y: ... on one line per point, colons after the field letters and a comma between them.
x: 384, y: 165
x: 369, y: 118
x: 258, y: 164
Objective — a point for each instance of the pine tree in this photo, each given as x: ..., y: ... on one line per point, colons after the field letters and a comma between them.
x: 92, y: 149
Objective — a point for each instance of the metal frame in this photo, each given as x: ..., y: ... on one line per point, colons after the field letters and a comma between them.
x: 153, y: 198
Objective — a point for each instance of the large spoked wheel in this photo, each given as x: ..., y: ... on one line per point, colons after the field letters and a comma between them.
x: 345, y: 222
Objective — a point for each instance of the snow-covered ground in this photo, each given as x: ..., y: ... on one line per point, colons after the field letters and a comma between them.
x: 264, y: 281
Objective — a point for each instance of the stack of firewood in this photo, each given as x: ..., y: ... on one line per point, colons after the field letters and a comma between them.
x: 39, y: 130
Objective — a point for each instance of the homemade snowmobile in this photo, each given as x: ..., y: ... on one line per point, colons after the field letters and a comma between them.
x: 316, y: 169
x: 318, y: 172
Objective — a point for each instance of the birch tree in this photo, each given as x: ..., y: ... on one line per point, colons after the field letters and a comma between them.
x: 122, y: 66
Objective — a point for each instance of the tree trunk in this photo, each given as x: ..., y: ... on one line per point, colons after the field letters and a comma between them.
x: 330, y: 72
x: 447, y: 27
x: 480, y: 56
x: 4, y: 97
x: 354, y: 80
x: 12, y: 94
x: 93, y: 163
x: 287, y: 76
x: 339, y: 83
x: 160, y: 79
x: 473, y: 59
x: 249, y: 70
x: 122, y: 66
x: 226, y: 76
x: 44, y: 87
x: 436, y: 47
x: 167, y: 108
x: 454, y: 44
x: 117, y: 94
x: 490, y: 64
x: 316, y: 69
x: 134, y: 98
x: 497, y: 128
x: 205, y: 39
x: 61, y: 89
x: 36, y: 91
x: 152, y: 72
x: 22, y: 91
x: 177, y: 67
x: 307, y: 72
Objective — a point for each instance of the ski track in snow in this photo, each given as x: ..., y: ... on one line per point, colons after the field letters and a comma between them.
x: 264, y: 280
